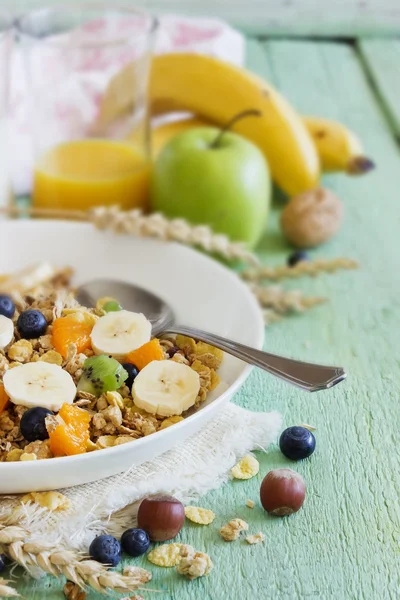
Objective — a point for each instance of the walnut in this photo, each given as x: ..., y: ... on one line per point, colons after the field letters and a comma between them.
x: 312, y: 218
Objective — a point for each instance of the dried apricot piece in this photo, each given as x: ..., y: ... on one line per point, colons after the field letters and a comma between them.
x: 71, y: 330
x: 146, y: 354
x: 71, y: 435
x: 4, y: 399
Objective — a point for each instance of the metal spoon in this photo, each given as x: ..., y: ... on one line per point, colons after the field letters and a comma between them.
x: 307, y: 376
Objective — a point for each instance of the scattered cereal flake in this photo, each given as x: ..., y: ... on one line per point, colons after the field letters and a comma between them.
x: 20, y: 351
x: 193, y: 564
x: 255, y: 539
x: 28, y: 456
x: 115, y: 399
x: 14, y: 455
x: 250, y: 503
x: 202, y: 516
x: 231, y: 530
x: 132, y: 571
x: 50, y: 500
x: 166, y: 555
x: 106, y: 441
x: 170, y: 421
x: 246, y: 468
x: 52, y: 357
x: 309, y: 427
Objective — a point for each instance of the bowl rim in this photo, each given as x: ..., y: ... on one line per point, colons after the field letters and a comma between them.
x: 6, y: 467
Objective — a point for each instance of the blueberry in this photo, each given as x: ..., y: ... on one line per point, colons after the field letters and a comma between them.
x: 3, y: 562
x: 106, y: 550
x: 7, y: 306
x: 172, y: 351
x: 297, y: 443
x: 135, y: 542
x: 132, y: 372
x: 31, y: 324
x: 33, y: 426
x: 297, y: 257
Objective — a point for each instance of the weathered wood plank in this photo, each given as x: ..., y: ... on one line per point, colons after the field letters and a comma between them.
x: 382, y: 62
x: 341, y: 18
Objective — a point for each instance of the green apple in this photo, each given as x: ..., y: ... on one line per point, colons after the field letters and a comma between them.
x: 215, y: 178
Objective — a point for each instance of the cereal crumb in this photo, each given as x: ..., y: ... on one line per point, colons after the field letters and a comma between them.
x: 50, y: 500
x: 142, y: 574
x: 167, y: 555
x: 28, y: 456
x: 246, y: 468
x: 14, y: 455
x: 250, y: 503
x: 52, y: 357
x: 115, y: 399
x: 202, y: 516
x: 21, y: 351
x: 193, y: 564
x: 231, y: 531
x: 73, y: 591
x: 255, y: 539
x: 170, y: 421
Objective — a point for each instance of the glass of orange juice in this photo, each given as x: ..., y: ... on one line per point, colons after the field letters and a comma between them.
x: 87, y: 68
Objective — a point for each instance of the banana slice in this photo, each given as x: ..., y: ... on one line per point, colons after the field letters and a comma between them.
x: 6, y: 331
x: 118, y: 333
x: 165, y: 388
x: 39, y: 384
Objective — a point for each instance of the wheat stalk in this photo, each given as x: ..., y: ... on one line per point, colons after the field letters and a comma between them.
x: 57, y: 561
x: 154, y: 225
x: 282, y: 302
x: 7, y: 591
x: 310, y: 268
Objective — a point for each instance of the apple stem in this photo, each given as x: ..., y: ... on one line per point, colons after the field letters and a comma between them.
x: 251, y: 112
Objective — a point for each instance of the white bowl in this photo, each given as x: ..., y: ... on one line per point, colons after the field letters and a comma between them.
x: 201, y: 292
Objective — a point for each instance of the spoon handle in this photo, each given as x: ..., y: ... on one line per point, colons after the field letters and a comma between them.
x: 307, y: 376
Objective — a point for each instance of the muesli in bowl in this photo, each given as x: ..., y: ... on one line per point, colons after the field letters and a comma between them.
x: 77, y: 379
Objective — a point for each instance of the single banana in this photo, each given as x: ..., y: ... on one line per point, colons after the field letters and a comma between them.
x: 6, y: 331
x: 118, y: 333
x: 338, y: 147
x: 165, y: 388
x: 28, y: 278
x: 39, y: 384
x: 217, y: 91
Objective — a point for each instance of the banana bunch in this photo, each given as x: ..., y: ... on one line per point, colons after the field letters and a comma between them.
x: 296, y: 147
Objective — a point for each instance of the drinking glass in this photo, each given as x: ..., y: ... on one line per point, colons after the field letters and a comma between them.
x: 87, y: 68
x: 5, y: 53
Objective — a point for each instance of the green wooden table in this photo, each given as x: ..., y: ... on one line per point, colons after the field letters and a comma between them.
x: 345, y: 543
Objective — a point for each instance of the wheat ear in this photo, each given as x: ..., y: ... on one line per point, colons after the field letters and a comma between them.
x: 56, y: 561
x: 310, y: 268
x: 282, y: 302
x: 7, y: 591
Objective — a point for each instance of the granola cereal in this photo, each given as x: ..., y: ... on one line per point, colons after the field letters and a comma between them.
x: 250, y: 503
x: 104, y: 411
x: 193, y: 564
x: 167, y: 555
x: 232, y: 530
x: 201, y: 516
x: 246, y: 468
x: 257, y: 538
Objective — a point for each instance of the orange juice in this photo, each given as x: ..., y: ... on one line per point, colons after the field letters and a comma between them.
x: 80, y: 175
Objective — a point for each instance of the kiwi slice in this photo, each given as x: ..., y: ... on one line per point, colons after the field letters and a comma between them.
x: 101, y: 374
